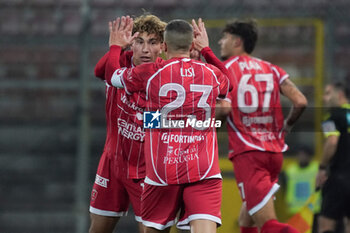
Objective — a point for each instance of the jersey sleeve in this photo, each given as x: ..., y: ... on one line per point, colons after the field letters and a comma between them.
x: 131, y: 79
x: 100, y: 67
x: 329, y: 127
x: 224, y: 83
x: 280, y: 73
x: 210, y: 57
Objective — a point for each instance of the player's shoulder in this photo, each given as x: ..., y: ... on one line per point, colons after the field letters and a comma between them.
x: 159, y: 60
x: 209, y: 67
x: 231, y: 61
x: 275, y: 69
x: 126, y: 59
x: 262, y: 63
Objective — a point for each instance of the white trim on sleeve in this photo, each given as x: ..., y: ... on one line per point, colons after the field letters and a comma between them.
x: 284, y: 78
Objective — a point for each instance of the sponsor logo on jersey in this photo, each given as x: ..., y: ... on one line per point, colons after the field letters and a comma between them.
x: 170, y: 138
x: 248, y: 121
x: 176, y: 155
x: 130, y: 104
x: 101, y: 181
x: 263, y: 134
x: 130, y: 130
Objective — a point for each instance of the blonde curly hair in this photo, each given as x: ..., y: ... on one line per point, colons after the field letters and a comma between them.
x: 150, y: 24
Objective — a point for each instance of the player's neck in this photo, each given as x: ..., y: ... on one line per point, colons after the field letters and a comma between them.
x: 241, y: 54
x: 171, y: 55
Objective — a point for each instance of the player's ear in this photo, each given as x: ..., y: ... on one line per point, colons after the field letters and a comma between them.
x: 162, y: 48
x: 165, y: 47
x: 238, y: 42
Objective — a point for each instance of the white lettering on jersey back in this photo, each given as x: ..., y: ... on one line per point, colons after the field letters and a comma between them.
x: 99, y: 180
x: 187, y: 72
x: 249, y: 66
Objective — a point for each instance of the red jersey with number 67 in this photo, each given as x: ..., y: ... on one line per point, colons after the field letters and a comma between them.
x: 178, y: 90
x: 256, y: 119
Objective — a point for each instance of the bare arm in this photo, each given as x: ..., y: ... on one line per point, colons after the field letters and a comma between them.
x: 329, y: 150
x: 222, y: 109
x: 120, y: 31
x: 298, y: 100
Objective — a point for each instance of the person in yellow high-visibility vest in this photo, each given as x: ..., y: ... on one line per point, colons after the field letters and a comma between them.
x: 300, y: 181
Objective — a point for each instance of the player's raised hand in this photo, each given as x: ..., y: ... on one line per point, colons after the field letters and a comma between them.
x: 120, y: 31
x: 200, y: 39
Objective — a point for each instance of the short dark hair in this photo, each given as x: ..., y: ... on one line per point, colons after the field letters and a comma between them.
x: 342, y: 86
x: 247, y: 30
x: 178, y: 35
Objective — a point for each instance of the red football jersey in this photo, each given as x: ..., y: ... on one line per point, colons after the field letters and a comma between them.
x: 256, y: 120
x: 182, y: 90
x: 124, y: 114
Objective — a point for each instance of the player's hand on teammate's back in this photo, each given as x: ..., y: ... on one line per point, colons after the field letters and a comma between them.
x: 200, y: 39
x: 120, y: 32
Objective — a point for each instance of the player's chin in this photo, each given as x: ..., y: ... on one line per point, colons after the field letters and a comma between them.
x: 223, y: 56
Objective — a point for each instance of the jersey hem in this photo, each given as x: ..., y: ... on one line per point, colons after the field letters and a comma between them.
x: 157, y: 225
x: 107, y: 213
x: 184, y: 224
x: 258, y: 207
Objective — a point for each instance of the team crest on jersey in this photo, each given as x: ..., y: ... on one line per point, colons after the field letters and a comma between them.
x: 119, y: 72
x: 151, y: 120
x: 94, y: 194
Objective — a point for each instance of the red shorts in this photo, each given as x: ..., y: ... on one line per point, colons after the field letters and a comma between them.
x: 256, y: 174
x: 112, y: 193
x: 199, y: 200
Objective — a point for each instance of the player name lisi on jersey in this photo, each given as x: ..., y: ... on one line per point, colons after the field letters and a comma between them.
x: 156, y: 120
